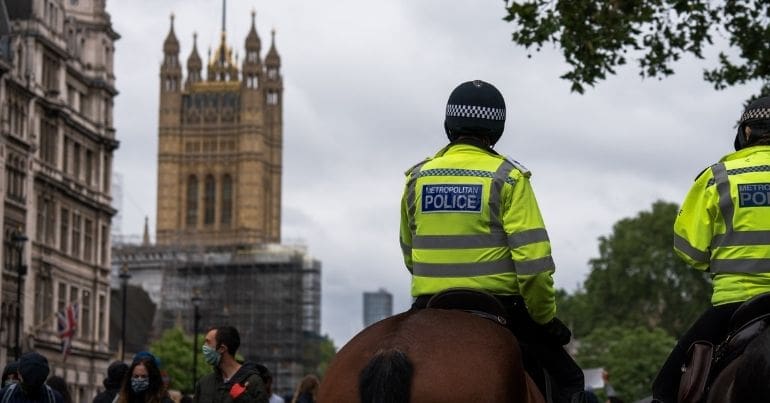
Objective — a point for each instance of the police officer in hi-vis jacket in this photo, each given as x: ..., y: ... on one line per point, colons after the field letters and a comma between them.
x: 724, y: 228
x: 469, y: 219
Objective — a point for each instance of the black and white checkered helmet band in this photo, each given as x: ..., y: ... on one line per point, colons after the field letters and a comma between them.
x: 758, y: 113
x: 473, y: 111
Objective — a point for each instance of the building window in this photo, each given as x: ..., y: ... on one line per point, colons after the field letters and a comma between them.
x: 102, y: 336
x: 61, y: 298
x: 17, y: 113
x: 104, y: 245
x: 88, y: 240
x: 74, y: 296
x: 272, y: 73
x: 209, y: 200
x: 85, y: 321
x: 48, y: 137
x: 272, y: 98
x: 107, y: 173
x: 15, y: 178
x: 192, y: 201
x: 50, y: 73
x: 227, y: 200
x: 75, y: 251
x: 89, y: 167
x: 64, y: 229
x: 76, y: 160
x: 43, y: 296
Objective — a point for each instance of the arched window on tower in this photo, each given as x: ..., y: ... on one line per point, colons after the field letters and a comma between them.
x: 192, y: 201
x: 209, y: 199
x: 227, y: 200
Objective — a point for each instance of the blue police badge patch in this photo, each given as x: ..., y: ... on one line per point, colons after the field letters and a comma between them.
x: 455, y: 198
x: 754, y: 194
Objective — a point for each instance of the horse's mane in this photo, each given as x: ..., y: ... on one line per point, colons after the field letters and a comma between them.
x: 386, y: 378
x: 751, y: 378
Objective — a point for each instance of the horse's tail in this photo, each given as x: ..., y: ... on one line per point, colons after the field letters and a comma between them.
x: 387, y: 378
x: 751, y: 376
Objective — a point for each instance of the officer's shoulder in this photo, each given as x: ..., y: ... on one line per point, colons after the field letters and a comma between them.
x: 705, y: 173
x: 415, y: 166
x: 518, y: 166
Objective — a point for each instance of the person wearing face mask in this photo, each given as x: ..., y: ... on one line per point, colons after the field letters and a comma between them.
x: 32, y: 371
x: 231, y: 382
x: 144, y: 384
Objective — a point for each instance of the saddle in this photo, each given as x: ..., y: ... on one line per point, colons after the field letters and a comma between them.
x: 705, y: 362
x: 472, y: 301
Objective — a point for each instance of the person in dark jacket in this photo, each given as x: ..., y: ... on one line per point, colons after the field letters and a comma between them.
x: 231, y: 382
x: 143, y: 384
x: 112, y: 383
x: 33, y: 370
x: 58, y: 384
x: 10, y: 374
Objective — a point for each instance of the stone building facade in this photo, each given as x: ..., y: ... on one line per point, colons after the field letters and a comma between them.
x: 220, y: 146
x: 56, y: 150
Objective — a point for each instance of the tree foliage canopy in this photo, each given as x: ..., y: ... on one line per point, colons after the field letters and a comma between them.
x: 596, y: 36
x: 174, y: 349
x: 632, y: 356
x: 637, y: 280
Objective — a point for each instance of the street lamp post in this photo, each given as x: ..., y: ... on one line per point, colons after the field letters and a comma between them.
x: 124, y: 276
x: 18, y: 239
x: 196, y: 301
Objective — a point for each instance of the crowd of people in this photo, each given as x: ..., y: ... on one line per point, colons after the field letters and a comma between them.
x: 27, y: 380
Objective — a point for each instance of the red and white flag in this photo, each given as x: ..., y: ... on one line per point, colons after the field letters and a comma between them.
x: 67, y: 322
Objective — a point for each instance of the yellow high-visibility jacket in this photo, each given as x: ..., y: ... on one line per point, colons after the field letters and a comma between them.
x: 469, y: 219
x: 724, y: 225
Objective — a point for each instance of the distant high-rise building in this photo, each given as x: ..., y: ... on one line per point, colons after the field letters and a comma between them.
x: 377, y: 306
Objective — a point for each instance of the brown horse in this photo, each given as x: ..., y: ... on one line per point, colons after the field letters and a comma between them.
x: 429, y: 356
x: 745, y: 379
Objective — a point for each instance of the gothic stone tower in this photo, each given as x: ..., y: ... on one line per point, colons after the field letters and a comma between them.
x: 219, y: 148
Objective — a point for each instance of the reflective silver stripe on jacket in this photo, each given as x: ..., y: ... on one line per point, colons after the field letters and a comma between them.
x: 535, y: 266
x: 725, y: 200
x: 740, y: 266
x: 738, y: 238
x: 495, y: 196
x: 463, y: 269
x: 410, y: 196
x: 527, y: 237
x: 689, y: 250
x: 406, y: 249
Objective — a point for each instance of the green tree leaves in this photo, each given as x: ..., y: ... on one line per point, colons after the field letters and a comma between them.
x: 596, y: 36
x: 637, y: 299
x: 174, y: 349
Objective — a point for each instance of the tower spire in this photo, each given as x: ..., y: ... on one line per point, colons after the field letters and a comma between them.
x: 224, y: 13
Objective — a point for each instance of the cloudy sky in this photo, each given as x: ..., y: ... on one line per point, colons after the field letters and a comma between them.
x: 366, y: 83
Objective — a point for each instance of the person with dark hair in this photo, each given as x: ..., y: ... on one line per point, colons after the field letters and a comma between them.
x: 306, y: 390
x: 723, y: 228
x: 469, y: 219
x: 10, y: 374
x: 143, y: 384
x: 33, y: 370
x: 112, y: 383
x: 58, y: 384
x: 267, y: 378
x: 231, y: 381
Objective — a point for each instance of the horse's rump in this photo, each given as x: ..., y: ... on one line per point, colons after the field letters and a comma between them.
x: 454, y: 357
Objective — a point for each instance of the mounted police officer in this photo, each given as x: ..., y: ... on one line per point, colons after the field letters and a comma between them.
x: 723, y: 228
x: 469, y: 219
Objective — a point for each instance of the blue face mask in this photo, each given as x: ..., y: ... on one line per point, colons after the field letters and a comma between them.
x: 211, y: 356
x: 10, y: 382
x: 139, y: 385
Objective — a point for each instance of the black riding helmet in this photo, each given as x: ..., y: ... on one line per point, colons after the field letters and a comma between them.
x: 475, y: 108
x: 757, y: 111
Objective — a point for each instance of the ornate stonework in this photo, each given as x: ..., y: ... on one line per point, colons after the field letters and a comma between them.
x: 220, y: 146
